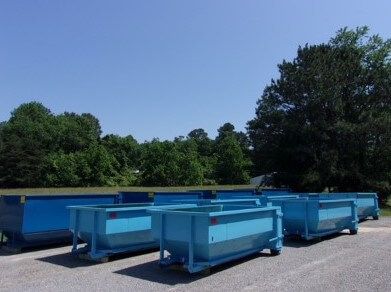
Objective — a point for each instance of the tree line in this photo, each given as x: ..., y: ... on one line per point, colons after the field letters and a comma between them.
x: 324, y: 123
x: 40, y: 149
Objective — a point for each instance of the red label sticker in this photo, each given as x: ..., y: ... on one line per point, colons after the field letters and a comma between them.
x: 213, y: 220
x: 113, y: 215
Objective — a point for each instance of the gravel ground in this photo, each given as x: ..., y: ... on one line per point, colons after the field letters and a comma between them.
x: 359, y: 262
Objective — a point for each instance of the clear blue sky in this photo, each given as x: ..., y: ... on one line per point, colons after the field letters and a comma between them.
x: 161, y: 68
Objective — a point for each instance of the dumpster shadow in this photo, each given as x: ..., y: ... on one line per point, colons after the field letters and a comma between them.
x: 150, y: 271
x: 3, y: 253
x: 121, y: 256
x: 67, y: 260
x: 71, y: 261
x: 6, y: 250
x: 298, y: 242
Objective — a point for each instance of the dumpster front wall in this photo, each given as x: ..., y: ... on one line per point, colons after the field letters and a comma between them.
x: 11, y: 213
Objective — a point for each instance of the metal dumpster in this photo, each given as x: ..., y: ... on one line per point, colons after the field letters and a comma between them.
x: 198, y: 238
x: 212, y: 194
x: 166, y: 198
x: 268, y: 200
x: 203, y: 202
x: 313, y: 217
x: 242, y: 201
x: 135, y: 197
x: 367, y: 203
x: 111, y: 229
x: 224, y: 195
x: 275, y: 192
x: 30, y: 220
x: 253, y: 190
x: 206, y: 194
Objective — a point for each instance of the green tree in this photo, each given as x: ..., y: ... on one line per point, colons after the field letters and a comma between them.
x: 326, y: 121
x: 205, y: 152
x: 25, y: 141
x: 228, y: 129
x: 232, y: 164
x: 77, y: 132
x: 62, y: 170
x: 169, y: 164
x: 125, y: 150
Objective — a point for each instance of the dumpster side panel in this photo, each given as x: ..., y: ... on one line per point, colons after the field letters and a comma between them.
x: 234, y: 194
x: 332, y: 216
x: 132, y: 220
x: 135, y: 197
x: 199, y: 241
x: 167, y: 198
x: 315, y: 218
x: 49, y: 213
x: 29, y: 220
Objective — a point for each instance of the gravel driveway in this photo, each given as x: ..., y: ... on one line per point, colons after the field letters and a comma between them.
x: 344, y: 262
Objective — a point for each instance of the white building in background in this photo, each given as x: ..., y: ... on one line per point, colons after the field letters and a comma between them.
x: 258, y: 180
x: 263, y: 180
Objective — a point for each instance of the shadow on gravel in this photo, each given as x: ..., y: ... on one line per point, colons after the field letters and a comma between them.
x: 71, y: 261
x: 297, y: 242
x: 4, y: 253
x: 151, y: 271
x: 9, y: 251
x: 67, y: 260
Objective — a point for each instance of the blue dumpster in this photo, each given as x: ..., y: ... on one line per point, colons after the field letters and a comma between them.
x: 206, y: 194
x: 29, y: 220
x: 135, y: 197
x: 275, y: 192
x: 111, y: 229
x: 242, y: 201
x: 252, y: 190
x: 202, y: 202
x: 313, y: 217
x: 268, y: 200
x: 166, y: 198
x: 367, y: 203
x: 198, y: 238
x: 211, y: 194
x: 223, y: 195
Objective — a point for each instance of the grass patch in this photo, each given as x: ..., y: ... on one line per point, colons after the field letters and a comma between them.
x: 112, y: 190
x: 386, y: 209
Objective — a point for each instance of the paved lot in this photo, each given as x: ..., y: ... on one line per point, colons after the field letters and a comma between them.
x: 345, y: 262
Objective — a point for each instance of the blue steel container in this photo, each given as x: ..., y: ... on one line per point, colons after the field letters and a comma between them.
x: 268, y: 200
x: 222, y: 195
x: 313, y: 217
x: 212, y: 194
x: 201, y: 237
x: 111, y: 229
x: 29, y: 220
x: 275, y: 192
x: 166, y: 198
x: 206, y: 194
x: 203, y: 202
x: 367, y: 203
x: 252, y: 190
x: 235, y: 202
x: 135, y: 197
